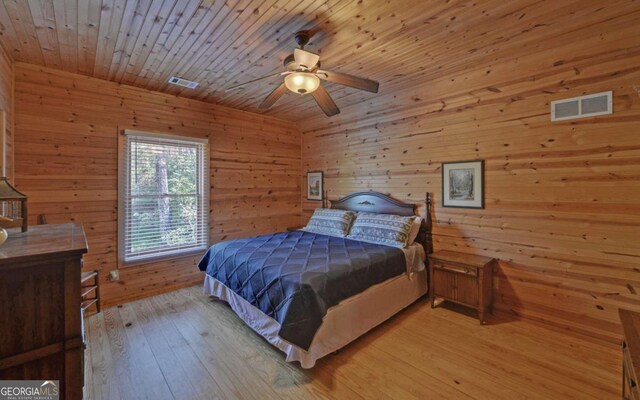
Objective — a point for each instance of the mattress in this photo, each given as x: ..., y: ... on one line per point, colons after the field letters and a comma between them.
x: 343, y: 322
x: 295, y: 277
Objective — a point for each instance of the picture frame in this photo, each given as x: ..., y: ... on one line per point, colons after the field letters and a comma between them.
x: 315, y: 185
x: 463, y: 184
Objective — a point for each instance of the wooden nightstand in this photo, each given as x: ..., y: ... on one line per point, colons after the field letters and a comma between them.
x: 463, y: 279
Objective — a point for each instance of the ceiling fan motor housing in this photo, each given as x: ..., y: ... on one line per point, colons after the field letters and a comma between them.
x: 302, y: 38
x: 290, y: 63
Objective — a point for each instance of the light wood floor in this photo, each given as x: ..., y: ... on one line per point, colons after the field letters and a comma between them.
x: 184, y: 345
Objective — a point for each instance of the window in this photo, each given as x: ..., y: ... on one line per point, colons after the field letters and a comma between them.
x: 162, y: 196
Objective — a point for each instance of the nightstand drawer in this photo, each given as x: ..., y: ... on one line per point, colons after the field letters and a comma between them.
x: 457, y: 287
x: 443, y: 283
x: 467, y: 290
x: 460, y: 269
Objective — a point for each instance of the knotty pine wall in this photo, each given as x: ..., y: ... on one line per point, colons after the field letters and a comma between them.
x: 66, y: 162
x: 562, y: 199
x: 6, y: 105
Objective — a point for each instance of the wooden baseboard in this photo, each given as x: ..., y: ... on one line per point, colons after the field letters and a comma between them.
x: 148, y: 293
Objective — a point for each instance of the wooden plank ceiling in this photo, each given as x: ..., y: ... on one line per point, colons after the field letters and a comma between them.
x: 220, y: 43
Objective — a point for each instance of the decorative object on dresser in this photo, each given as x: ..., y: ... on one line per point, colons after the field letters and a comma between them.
x: 315, y: 187
x: 13, y: 207
x: 463, y: 184
x: 630, y: 321
x: 463, y: 279
x: 40, y: 319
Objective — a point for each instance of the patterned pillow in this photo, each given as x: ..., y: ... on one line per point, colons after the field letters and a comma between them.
x: 330, y: 222
x: 392, y: 230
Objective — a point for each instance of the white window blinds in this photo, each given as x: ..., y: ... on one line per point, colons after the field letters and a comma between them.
x: 163, y: 196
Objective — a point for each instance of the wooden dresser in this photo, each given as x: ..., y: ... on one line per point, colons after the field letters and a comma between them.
x: 630, y: 353
x: 462, y: 278
x: 40, y: 322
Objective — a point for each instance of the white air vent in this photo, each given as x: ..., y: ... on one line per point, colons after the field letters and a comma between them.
x: 582, y: 106
x: 183, y: 82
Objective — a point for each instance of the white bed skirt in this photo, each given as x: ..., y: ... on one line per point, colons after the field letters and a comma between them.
x: 343, y: 323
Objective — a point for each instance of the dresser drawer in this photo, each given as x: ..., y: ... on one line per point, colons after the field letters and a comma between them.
x: 459, y: 269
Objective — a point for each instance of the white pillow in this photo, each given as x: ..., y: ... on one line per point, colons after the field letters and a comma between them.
x: 415, y: 228
x: 388, y: 229
x: 331, y: 222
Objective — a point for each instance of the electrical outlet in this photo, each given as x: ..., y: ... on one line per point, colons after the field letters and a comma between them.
x: 114, y: 275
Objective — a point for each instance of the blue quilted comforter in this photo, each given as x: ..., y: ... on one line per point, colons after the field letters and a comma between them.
x: 295, y: 277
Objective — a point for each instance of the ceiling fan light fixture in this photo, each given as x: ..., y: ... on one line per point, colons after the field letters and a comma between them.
x: 302, y: 76
x: 302, y: 82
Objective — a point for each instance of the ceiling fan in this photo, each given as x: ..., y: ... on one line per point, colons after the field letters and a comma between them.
x: 303, y: 76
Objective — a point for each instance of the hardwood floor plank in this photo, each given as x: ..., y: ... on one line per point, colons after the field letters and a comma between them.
x: 268, y: 369
x: 189, y: 346
x: 268, y: 362
x: 217, y: 358
x: 528, y: 347
x: 146, y: 371
x: 498, y: 381
x: 124, y: 376
x: 186, y: 357
x: 173, y: 370
x: 104, y: 383
x: 418, y: 350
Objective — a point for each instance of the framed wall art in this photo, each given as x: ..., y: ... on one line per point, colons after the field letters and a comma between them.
x: 315, y: 185
x: 463, y: 184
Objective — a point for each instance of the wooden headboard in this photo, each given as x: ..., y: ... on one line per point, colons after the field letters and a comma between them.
x: 381, y: 203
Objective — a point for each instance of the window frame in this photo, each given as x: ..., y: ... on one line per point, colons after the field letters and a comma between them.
x: 124, y: 174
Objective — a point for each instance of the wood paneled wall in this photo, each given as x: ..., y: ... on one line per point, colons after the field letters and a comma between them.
x: 562, y: 199
x: 6, y: 105
x: 66, y: 162
x: 459, y: 80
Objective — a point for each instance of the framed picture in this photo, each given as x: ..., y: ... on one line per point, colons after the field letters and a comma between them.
x: 315, y: 187
x: 463, y: 184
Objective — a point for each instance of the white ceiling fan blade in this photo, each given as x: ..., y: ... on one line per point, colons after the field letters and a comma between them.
x: 305, y: 59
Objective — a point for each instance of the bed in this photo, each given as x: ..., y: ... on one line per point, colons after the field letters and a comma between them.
x: 311, y: 294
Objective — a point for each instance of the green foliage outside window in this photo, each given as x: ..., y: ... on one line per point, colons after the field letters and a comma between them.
x: 164, y: 196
